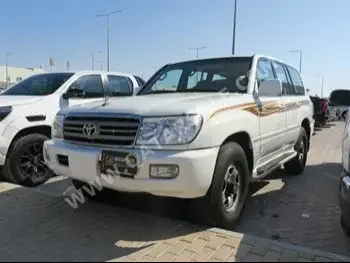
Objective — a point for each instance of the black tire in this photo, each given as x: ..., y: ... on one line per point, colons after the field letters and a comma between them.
x: 97, y: 196
x: 345, y: 226
x: 296, y: 166
x: 211, y: 208
x: 21, y: 150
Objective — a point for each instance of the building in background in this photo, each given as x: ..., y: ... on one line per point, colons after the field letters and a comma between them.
x: 16, y: 74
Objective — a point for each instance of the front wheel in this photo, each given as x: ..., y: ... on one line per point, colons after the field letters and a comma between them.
x: 224, y: 202
x: 296, y: 166
x: 24, y: 163
x: 345, y: 226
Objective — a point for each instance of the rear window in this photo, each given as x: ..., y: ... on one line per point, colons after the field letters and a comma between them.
x: 340, y: 98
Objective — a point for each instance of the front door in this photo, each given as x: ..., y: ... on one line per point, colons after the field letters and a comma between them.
x: 273, y: 117
x: 92, y: 85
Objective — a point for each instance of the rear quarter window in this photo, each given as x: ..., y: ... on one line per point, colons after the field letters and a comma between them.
x: 296, y: 81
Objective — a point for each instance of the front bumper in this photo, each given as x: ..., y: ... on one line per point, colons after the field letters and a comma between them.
x: 344, y: 197
x: 196, y: 168
x: 7, y: 133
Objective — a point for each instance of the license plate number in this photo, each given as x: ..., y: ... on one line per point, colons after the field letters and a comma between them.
x: 119, y: 163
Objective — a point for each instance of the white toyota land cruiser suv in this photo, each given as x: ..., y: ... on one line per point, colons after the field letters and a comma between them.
x: 28, y: 108
x: 198, y: 129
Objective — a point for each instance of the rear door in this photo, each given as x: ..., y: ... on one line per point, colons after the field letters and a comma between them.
x: 298, y: 105
x: 119, y: 86
x: 287, y: 99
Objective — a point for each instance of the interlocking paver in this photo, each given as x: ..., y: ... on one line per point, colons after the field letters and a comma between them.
x: 253, y: 258
x: 97, y: 232
x: 232, y: 242
x: 184, y: 256
x: 289, y: 256
x: 271, y: 256
x: 178, y: 247
x: 222, y: 253
x: 196, y: 245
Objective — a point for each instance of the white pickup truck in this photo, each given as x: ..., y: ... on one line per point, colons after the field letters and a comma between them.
x: 28, y: 108
x: 200, y: 129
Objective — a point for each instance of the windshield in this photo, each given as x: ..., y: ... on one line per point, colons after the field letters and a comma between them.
x: 38, y: 85
x: 340, y: 98
x: 209, y: 75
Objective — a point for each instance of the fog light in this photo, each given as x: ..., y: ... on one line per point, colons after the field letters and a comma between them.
x: 164, y: 171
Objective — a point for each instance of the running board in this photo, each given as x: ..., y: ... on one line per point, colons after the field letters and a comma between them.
x: 272, y: 165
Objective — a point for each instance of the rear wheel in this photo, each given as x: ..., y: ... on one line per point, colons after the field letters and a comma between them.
x: 224, y: 203
x: 345, y: 226
x: 25, y: 164
x: 296, y: 166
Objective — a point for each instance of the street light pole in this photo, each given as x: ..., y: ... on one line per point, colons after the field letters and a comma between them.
x: 234, y: 28
x: 300, y: 58
x: 322, y: 82
x: 6, y: 65
x: 107, y: 17
x: 197, y: 50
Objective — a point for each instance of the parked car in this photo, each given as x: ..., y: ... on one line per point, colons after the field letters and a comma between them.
x: 28, y: 109
x: 199, y: 130
x: 321, y: 112
x: 344, y: 189
x: 340, y: 100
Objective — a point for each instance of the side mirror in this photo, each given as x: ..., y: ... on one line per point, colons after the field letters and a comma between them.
x: 73, y: 93
x: 270, y: 88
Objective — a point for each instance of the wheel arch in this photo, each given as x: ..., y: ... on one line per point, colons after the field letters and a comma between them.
x: 244, y: 140
x: 41, y: 129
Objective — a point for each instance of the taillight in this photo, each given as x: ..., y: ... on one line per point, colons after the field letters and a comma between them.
x: 324, y: 106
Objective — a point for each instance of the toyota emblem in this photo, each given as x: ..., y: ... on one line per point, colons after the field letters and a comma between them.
x: 89, y: 129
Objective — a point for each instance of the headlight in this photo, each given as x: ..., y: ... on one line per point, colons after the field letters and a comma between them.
x: 4, y: 112
x: 169, y: 130
x: 57, y: 127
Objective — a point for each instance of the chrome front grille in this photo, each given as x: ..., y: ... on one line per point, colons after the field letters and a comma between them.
x: 112, y: 130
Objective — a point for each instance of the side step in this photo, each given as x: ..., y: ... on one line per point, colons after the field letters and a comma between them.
x: 269, y: 167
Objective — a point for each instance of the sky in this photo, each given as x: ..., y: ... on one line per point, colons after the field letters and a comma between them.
x: 150, y: 33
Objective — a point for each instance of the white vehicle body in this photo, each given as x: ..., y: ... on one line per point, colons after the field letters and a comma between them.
x: 268, y: 125
x: 35, y: 114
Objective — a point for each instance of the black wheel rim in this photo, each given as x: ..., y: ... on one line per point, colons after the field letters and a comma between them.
x: 32, y: 163
x: 232, y: 188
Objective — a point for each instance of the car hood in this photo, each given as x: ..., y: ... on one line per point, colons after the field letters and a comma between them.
x: 8, y: 100
x: 164, y: 104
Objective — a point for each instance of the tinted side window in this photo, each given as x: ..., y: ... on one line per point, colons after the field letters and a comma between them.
x: 264, y: 71
x: 297, y: 82
x: 119, y: 86
x: 282, y: 76
x: 91, y: 85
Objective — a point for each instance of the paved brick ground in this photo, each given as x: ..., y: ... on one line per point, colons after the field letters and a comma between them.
x: 38, y: 225
x: 303, y: 210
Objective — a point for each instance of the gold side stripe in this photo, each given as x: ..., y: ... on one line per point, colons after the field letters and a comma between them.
x: 268, y: 108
